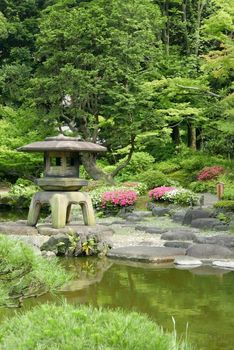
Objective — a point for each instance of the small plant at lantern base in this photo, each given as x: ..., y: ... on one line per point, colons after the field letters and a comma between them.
x: 209, y: 173
x: 114, y: 201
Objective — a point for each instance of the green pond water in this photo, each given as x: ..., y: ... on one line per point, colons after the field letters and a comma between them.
x: 202, y: 297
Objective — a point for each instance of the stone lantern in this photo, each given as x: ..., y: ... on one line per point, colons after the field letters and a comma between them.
x: 61, y: 182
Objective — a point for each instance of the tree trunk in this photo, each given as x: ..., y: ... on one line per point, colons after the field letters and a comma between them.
x: 199, y: 138
x: 186, y: 36
x: 192, y: 136
x: 175, y: 135
x: 89, y: 163
x: 200, y: 7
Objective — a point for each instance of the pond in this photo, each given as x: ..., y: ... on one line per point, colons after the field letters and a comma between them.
x: 201, y: 297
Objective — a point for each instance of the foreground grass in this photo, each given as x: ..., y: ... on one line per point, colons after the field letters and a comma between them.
x: 65, y: 327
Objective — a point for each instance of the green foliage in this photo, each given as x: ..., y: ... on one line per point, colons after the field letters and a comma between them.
x: 168, y: 166
x: 203, y: 186
x: 154, y: 178
x: 228, y: 205
x: 24, y: 274
x: 60, y: 327
x: 140, y: 162
x: 21, y: 193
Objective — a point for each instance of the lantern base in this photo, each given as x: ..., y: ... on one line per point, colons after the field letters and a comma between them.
x: 61, y: 183
x: 60, y: 203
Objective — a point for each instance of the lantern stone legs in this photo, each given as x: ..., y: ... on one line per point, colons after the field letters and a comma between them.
x: 60, y: 203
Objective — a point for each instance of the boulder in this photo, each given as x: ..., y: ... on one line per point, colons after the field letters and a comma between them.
x: 177, y: 244
x: 146, y: 254
x: 179, y: 235
x: 206, y: 223
x: 19, y: 227
x: 57, y: 244
x: 179, y: 216
x: 160, y: 211
x: 194, y: 214
x: 209, y: 251
x: 143, y: 214
x: 223, y: 240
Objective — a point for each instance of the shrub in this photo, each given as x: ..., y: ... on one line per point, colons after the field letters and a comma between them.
x: 209, y: 173
x: 202, y: 186
x: 24, y: 274
x: 154, y: 178
x: 140, y: 162
x: 180, y: 196
x: 21, y: 193
x: 157, y: 193
x: 225, y: 204
x: 167, y: 167
x: 68, y: 327
x: 113, y: 201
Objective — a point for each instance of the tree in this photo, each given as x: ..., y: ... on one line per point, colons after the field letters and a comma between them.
x: 92, y: 59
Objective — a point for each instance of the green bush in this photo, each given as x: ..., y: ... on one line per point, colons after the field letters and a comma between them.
x: 154, y: 178
x: 24, y: 274
x: 180, y: 196
x: 202, y: 186
x: 66, y: 327
x: 225, y: 204
x: 21, y: 193
x: 140, y: 162
x: 167, y: 167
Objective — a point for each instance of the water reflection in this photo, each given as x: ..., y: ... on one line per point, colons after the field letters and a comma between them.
x: 201, y: 296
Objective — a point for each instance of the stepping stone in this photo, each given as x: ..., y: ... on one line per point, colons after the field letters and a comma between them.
x: 178, y: 244
x: 143, y: 214
x: 193, y: 214
x: 160, y: 211
x: 19, y: 227
x: 146, y: 254
x: 209, y: 251
x: 223, y: 240
x: 187, y: 260
x: 224, y: 264
x: 153, y: 230
x: 179, y: 235
x: 206, y: 223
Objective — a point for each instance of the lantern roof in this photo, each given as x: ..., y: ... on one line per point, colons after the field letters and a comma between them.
x: 62, y: 143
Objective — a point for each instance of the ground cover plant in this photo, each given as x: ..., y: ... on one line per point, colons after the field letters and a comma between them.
x: 25, y: 274
x: 68, y: 327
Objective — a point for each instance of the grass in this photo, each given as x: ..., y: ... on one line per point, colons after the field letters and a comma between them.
x: 66, y: 327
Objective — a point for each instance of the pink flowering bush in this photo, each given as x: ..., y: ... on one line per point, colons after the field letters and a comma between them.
x: 209, y: 173
x: 158, y: 192
x: 115, y: 200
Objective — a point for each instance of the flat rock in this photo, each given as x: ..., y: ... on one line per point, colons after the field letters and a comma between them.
x: 193, y: 214
x: 209, y: 251
x: 205, y: 223
x: 74, y: 228
x: 179, y: 235
x: 227, y: 264
x: 146, y: 254
x: 223, y: 240
x: 143, y: 214
x: 160, y: 211
x: 178, y: 244
x: 187, y: 260
x: 148, y: 229
x: 19, y: 227
x: 32, y: 240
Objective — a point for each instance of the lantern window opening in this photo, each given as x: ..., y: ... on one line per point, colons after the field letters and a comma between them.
x: 70, y: 161
x: 55, y: 161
